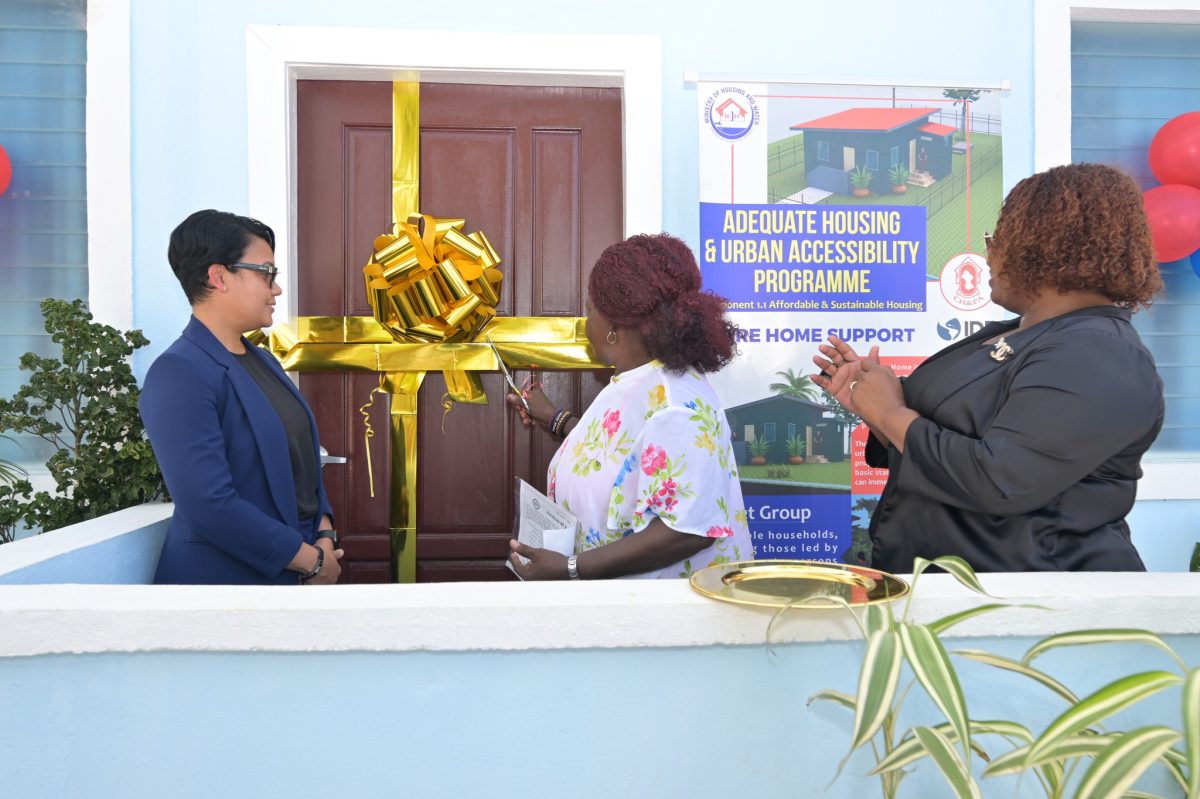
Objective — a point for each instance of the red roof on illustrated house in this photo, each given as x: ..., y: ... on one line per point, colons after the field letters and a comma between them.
x: 730, y: 102
x: 936, y: 129
x: 879, y: 119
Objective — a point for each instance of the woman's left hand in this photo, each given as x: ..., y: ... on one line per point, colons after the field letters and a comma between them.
x: 875, y: 390
x: 544, y: 564
x: 879, y: 400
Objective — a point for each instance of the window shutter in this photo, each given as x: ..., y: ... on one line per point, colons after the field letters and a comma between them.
x: 43, y: 213
x: 1127, y: 79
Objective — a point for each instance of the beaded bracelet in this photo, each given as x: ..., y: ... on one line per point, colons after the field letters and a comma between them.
x: 558, y: 425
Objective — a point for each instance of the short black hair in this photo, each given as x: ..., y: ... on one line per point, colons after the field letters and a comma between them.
x: 210, y: 237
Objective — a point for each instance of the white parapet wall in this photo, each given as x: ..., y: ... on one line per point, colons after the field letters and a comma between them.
x: 617, y: 688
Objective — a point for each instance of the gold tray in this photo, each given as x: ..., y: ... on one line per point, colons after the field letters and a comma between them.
x: 796, y: 583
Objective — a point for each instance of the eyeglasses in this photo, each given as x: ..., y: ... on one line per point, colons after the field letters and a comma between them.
x: 988, y: 238
x: 265, y: 269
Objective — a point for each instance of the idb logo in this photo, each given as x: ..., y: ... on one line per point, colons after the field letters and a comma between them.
x: 953, y: 329
x: 950, y: 329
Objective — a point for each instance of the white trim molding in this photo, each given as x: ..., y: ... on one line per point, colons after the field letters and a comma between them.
x: 109, y: 181
x: 278, y: 56
x: 1052, y: 61
x: 691, y: 77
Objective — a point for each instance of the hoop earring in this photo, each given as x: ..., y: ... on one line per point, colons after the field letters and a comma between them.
x: 612, y: 337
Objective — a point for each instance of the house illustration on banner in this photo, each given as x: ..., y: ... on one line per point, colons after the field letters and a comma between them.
x: 731, y: 111
x: 875, y: 139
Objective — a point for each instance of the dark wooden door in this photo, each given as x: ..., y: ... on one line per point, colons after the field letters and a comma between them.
x: 539, y: 170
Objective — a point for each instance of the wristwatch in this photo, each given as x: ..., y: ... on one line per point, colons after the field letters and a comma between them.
x: 330, y: 533
x: 572, y: 570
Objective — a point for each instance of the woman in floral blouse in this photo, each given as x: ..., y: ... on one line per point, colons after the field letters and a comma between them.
x: 647, y: 469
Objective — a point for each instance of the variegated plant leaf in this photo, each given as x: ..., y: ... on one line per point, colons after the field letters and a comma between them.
x: 945, y: 757
x: 876, y: 685
x: 946, y: 622
x: 1103, y: 636
x: 909, y: 750
x: 1008, y: 664
x: 878, y: 617
x: 932, y: 667
x: 951, y: 564
x: 1018, y: 760
x: 1116, y: 768
x: 825, y: 602
x: 837, y: 697
x: 1191, y: 725
x: 1101, y: 704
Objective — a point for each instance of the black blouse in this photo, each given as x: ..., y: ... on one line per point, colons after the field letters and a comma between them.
x: 1028, y: 463
x: 305, y: 469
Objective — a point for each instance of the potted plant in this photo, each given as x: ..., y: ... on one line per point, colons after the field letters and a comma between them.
x: 898, y: 175
x: 860, y: 179
x: 758, y: 449
x: 1110, y: 760
x: 796, y: 447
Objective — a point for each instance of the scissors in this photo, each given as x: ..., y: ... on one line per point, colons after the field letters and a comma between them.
x: 508, y: 376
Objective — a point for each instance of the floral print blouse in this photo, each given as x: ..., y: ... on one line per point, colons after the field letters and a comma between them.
x: 653, y: 444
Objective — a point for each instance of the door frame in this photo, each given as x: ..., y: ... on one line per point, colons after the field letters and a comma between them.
x: 278, y: 56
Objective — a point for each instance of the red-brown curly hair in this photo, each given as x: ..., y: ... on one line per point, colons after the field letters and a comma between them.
x: 1079, y: 227
x: 652, y: 283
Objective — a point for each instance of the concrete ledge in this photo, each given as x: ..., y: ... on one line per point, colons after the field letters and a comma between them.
x: 49, y: 619
x: 121, y: 547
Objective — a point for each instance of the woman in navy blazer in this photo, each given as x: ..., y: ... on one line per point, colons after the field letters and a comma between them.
x: 1019, y: 448
x: 235, y: 440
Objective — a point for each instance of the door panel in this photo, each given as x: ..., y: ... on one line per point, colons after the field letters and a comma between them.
x: 538, y: 170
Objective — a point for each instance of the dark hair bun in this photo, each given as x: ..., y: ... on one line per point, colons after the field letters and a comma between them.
x: 652, y: 283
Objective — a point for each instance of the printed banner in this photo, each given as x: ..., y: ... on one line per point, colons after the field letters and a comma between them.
x: 850, y: 211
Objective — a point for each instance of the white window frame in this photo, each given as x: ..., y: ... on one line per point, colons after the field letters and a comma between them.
x: 1162, y: 479
x: 109, y: 164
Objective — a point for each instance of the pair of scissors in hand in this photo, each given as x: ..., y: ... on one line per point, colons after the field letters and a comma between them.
x: 508, y: 376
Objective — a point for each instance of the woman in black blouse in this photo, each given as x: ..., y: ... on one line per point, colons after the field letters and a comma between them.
x: 1019, y: 448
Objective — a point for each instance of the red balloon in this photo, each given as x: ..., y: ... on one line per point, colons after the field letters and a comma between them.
x: 5, y: 171
x: 1174, y: 215
x: 1175, y: 151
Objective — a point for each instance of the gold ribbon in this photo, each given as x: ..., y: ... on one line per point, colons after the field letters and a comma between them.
x: 430, y: 281
x: 422, y: 320
x: 362, y: 344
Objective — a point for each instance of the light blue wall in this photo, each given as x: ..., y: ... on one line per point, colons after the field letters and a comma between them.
x: 1165, y: 532
x: 696, y: 722
x: 189, y: 102
x: 190, y: 117
x: 130, y: 558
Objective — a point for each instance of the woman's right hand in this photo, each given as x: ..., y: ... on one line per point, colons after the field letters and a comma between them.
x: 541, y: 409
x: 306, y: 559
x: 331, y: 569
x: 840, y: 367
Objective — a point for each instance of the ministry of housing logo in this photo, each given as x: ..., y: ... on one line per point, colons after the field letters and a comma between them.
x: 731, y: 112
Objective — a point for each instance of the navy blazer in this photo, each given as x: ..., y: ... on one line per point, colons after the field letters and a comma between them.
x: 224, y: 455
x: 1025, y: 464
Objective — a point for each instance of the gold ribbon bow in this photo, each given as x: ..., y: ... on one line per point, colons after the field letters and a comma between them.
x: 430, y: 282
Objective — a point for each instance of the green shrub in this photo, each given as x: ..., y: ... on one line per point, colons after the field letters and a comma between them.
x: 86, y: 406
